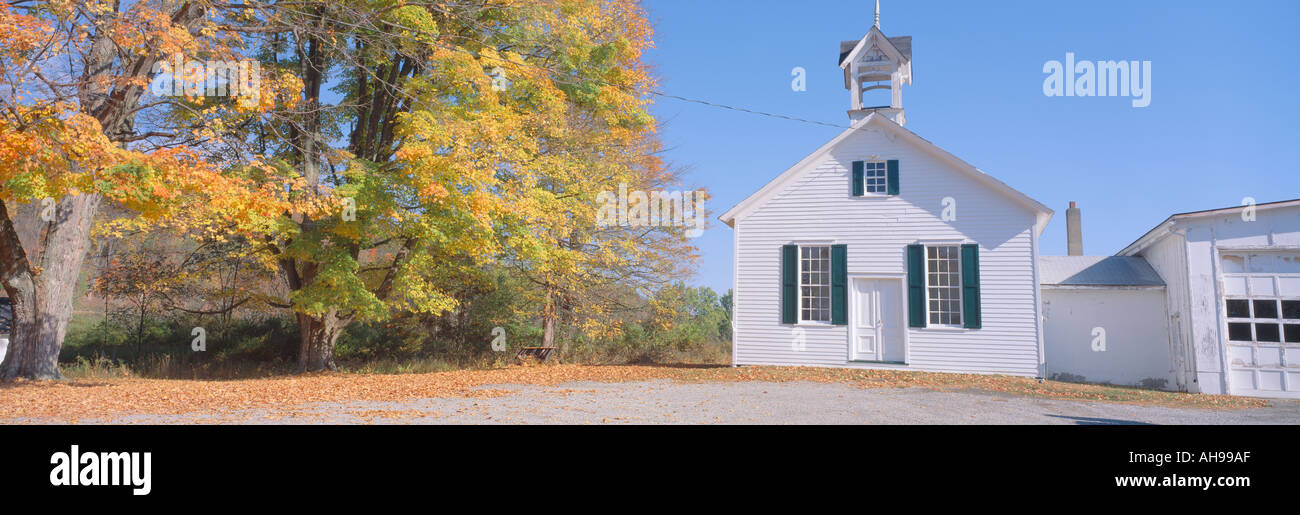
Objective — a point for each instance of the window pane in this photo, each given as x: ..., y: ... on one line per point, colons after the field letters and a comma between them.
x: 814, y: 282
x: 1291, y: 309
x: 1292, y: 333
x: 875, y: 177
x: 943, y: 279
x: 1266, y: 309
x: 1266, y: 333
x: 1238, y: 331
x: 1238, y: 308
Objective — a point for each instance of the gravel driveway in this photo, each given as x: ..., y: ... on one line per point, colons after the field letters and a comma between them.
x: 667, y: 402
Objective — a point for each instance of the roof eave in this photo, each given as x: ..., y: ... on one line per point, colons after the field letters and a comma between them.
x: 1156, y: 234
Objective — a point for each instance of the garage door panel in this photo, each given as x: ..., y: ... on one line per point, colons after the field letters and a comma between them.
x: 1234, y: 285
x: 1268, y: 357
x: 1241, y: 356
x: 1243, y: 379
x: 1269, y: 380
x: 1261, y: 286
x: 1293, y: 357
x: 1287, y: 264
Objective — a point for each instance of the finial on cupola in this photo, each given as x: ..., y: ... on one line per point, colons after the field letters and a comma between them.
x: 876, y: 62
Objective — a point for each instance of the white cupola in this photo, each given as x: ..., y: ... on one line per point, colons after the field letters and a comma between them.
x: 876, y: 62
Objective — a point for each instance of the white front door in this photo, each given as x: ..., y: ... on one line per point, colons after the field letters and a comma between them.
x: 877, y: 323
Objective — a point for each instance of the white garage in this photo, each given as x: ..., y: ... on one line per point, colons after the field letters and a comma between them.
x: 1232, y: 280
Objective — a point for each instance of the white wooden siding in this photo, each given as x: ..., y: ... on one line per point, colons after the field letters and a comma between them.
x: 1169, y: 258
x: 1137, y: 341
x: 817, y: 206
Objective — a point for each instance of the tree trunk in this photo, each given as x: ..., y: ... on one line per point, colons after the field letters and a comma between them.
x: 42, y: 294
x: 316, y: 341
x: 548, y: 321
x: 564, y: 313
x: 139, y: 333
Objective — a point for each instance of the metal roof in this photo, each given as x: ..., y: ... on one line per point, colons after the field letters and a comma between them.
x: 1097, y: 271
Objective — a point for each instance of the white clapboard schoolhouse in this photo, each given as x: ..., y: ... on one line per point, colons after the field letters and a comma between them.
x: 882, y: 250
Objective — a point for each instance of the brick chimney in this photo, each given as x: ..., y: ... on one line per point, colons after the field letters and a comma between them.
x: 1073, y: 231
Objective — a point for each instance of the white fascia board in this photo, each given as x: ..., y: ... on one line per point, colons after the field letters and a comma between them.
x: 1164, y: 228
x: 1102, y: 287
x: 1156, y: 234
x: 774, y: 185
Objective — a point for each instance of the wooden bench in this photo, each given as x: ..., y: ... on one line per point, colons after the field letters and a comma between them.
x: 538, y: 353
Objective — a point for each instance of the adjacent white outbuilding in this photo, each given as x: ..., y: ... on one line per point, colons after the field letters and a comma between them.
x: 1232, y: 280
x: 1104, y: 321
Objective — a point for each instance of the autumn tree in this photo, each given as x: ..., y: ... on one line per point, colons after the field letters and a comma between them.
x: 75, y: 132
x: 454, y: 131
x: 583, y: 269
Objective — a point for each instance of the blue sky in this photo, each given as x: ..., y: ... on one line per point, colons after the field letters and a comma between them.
x: 1223, y: 124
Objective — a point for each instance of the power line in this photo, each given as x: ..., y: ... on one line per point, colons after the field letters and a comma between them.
x: 750, y: 111
x: 555, y: 74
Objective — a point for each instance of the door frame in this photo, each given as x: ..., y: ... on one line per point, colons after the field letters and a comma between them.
x: 901, y: 281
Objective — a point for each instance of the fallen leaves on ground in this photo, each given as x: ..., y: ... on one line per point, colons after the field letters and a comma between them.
x: 105, y: 399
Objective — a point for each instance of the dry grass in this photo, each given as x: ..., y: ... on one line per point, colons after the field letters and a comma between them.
x: 106, y: 398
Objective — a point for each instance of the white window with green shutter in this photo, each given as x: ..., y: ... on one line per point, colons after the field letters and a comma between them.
x: 814, y: 284
x: 875, y: 178
x: 944, y: 286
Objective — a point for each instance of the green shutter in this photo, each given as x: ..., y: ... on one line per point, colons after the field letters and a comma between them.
x: 915, y: 286
x: 789, y: 284
x: 891, y: 168
x: 858, y: 173
x: 839, y: 284
x: 970, y: 286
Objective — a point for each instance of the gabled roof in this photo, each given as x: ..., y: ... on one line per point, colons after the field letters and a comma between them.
x: 1042, y: 213
x: 901, y: 43
x: 1155, y: 235
x: 1097, y: 271
x: 899, y: 48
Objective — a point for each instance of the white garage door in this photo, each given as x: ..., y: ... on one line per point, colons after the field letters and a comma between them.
x: 1261, y: 306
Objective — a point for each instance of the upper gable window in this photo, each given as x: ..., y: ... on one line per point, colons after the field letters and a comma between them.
x: 874, y: 179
